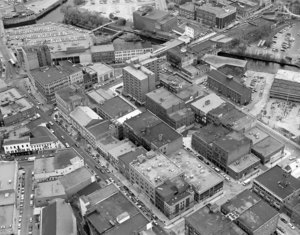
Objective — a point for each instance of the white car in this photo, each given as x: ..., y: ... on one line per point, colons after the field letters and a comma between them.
x: 291, y: 225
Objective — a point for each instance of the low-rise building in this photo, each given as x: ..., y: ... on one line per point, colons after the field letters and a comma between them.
x: 204, y: 105
x: 138, y: 81
x: 188, y: 10
x: 181, y: 57
x: 90, y: 78
x: 47, y: 191
x: 269, y: 149
x: 153, y: 20
x: 215, y: 15
x: 103, y: 53
x: 207, y: 222
x: 86, y: 122
x: 126, y: 50
x: 169, y: 108
x: 14, y: 107
x: 48, y: 80
x: 174, y: 197
x: 149, y: 131
x: 76, y: 181
x: 58, y: 218
x: 117, y: 214
x: 152, y: 170
x: 104, y: 72
x: 205, y: 183
x: 64, y: 162
x: 276, y: 186
x: 68, y: 98
x: 228, y: 86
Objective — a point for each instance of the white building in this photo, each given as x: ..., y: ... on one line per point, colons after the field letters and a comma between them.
x: 64, y: 162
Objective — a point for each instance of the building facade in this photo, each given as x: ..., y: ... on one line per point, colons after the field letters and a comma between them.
x: 103, y: 53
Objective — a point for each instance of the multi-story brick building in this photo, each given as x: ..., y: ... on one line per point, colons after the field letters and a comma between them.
x: 188, y: 10
x: 138, y: 81
x: 103, y: 53
x: 215, y: 15
x: 228, y: 86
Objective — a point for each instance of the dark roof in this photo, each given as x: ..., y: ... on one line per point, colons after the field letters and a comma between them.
x: 271, y: 178
x: 232, y: 141
x: 89, y: 189
x: 70, y: 93
x: 268, y: 146
x: 257, y: 215
x: 205, y: 222
x: 63, y: 157
x: 116, y: 107
x: 201, y: 47
x: 285, y: 87
x: 167, y: 132
x: 221, y: 110
x: 127, y: 158
x: 139, y: 122
x: 231, y: 117
x: 49, y: 219
x: 99, y: 129
x: 210, y: 133
x: 40, y: 132
x: 241, y: 202
x: 233, y: 83
x: 121, y: 45
x: 109, y: 209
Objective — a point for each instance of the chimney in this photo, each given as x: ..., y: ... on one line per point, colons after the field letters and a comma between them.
x: 160, y: 137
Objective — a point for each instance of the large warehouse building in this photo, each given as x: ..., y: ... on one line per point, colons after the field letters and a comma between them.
x: 286, y: 86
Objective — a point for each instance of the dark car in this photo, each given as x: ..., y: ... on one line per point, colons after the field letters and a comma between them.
x: 280, y: 229
x: 283, y: 220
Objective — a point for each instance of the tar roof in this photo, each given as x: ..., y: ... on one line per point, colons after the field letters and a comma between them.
x: 268, y: 146
x: 232, y: 84
x: 271, y: 179
x: 49, y: 189
x: 257, y: 215
x: 127, y: 158
x: 189, y: 6
x: 58, y: 218
x: 62, y: 159
x: 161, y: 134
x: 231, y: 141
x: 244, y: 163
x: 85, y: 116
x: 164, y: 98
x: 116, y: 107
x: 70, y: 93
x: 219, y: 61
x: 207, y: 103
x: 210, y: 133
x: 112, y: 209
x: 202, y: 46
x: 156, y: 168
x: 7, y: 218
x: 21, y: 140
x: 139, y: 122
x: 99, y: 95
x: 191, y: 91
x: 256, y: 135
x: 195, y: 172
x: 175, y: 81
x: 151, y: 13
x: 241, y: 202
x: 208, y: 223
x: 288, y: 75
x: 8, y: 176
x: 75, y: 178
x: 102, y: 48
x: 221, y: 109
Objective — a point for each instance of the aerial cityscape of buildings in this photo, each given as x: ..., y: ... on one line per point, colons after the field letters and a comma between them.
x: 170, y: 117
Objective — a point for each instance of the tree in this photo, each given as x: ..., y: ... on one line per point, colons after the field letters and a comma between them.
x: 121, y: 21
x: 78, y: 2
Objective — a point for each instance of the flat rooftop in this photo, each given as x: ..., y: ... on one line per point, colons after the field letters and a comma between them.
x: 99, y: 95
x: 232, y: 117
x: 101, y: 68
x: 269, y: 180
x: 62, y: 159
x: 151, y: 13
x: 241, y: 202
x: 85, y: 116
x: 6, y: 218
x: 231, y: 141
x: 116, y: 208
x: 257, y: 215
x: 75, y: 178
x: 288, y: 75
x: 12, y: 102
x: 156, y: 168
x: 191, y: 91
x: 244, y: 163
x: 205, y: 222
x: 140, y: 74
x: 122, y: 45
x: 49, y: 189
x: 256, y: 135
x: 218, y: 11
x: 108, y: 142
x: 103, y: 48
x: 60, y: 37
x: 207, y: 103
x: 210, y: 133
x: 175, y: 81
x: 70, y: 93
x: 116, y: 107
x: 121, y: 149
x: 8, y: 176
x: 268, y: 146
x: 196, y: 173
x: 221, y: 110
x: 164, y: 98
x: 99, y: 128
x: 127, y: 158
x: 219, y: 61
